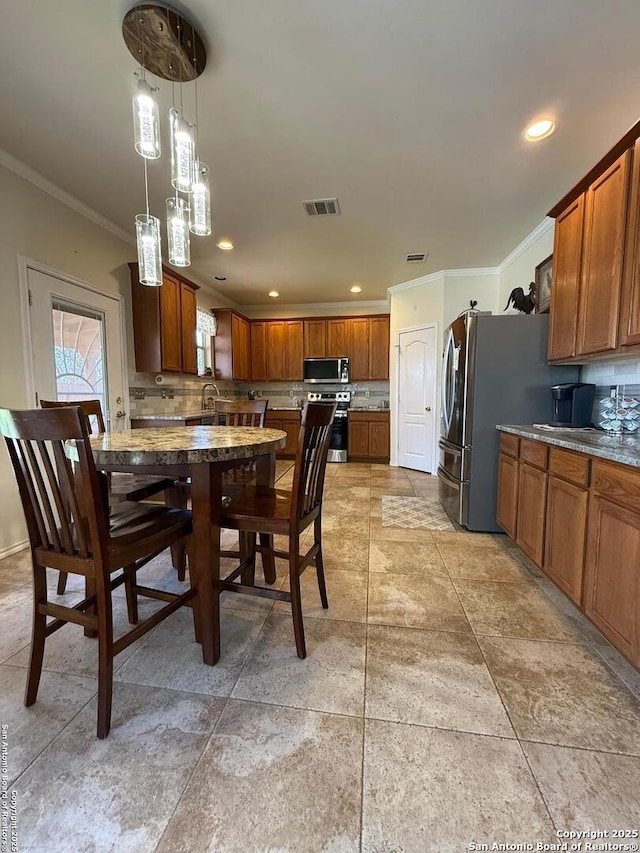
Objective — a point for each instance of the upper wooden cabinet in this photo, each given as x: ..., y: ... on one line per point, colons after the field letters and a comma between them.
x: 360, y: 349
x: 595, y: 307
x: 315, y: 338
x: 259, y: 350
x: 283, y: 353
x: 364, y: 340
x: 379, y: 348
x: 338, y: 338
x: 164, y: 324
x: 232, y: 346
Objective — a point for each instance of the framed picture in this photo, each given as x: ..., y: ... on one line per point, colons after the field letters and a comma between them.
x: 544, y: 278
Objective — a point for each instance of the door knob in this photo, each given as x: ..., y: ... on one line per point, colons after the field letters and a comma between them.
x: 120, y: 413
x: 427, y: 408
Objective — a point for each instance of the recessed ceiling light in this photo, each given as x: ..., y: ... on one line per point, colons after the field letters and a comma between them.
x: 220, y: 278
x: 539, y: 130
x: 356, y: 289
x: 274, y: 294
x: 225, y: 245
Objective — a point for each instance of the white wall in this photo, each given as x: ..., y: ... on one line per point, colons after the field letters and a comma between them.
x: 314, y: 309
x: 462, y: 286
x: 519, y: 268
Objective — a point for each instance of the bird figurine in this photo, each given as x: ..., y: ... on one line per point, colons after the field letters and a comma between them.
x: 522, y: 303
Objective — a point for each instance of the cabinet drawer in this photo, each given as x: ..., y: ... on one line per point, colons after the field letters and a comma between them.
x: 369, y: 416
x: 534, y: 453
x: 570, y: 466
x: 509, y: 444
x: 618, y: 484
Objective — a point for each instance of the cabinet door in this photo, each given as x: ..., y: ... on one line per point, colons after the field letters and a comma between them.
x: 567, y: 266
x: 379, y: 348
x: 379, y: 443
x: 532, y: 500
x: 359, y: 355
x: 170, y: 325
x: 612, y: 579
x: 276, y: 350
x: 315, y: 338
x: 358, y: 438
x: 604, y: 236
x: 507, y: 505
x: 241, y: 343
x: 294, y: 347
x: 188, y: 315
x: 259, y: 351
x: 566, y: 526
x: 292, y: 428
x: 338, y: 338
x: 630, y: 313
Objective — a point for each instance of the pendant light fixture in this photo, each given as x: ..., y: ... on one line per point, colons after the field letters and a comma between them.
x: 166, y: 44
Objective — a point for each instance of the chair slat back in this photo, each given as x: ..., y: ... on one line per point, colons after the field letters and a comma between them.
x: 246, y: 413
x: 90, y: 408
x: 311, y: 457
x: 64, y: 508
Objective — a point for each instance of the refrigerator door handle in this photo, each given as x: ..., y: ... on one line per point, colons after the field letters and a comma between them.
x: 448, y: 367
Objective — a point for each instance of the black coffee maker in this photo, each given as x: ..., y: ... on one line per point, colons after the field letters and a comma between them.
x: 572, y: 404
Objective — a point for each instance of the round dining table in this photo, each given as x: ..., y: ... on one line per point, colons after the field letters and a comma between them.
x: 202, y: 453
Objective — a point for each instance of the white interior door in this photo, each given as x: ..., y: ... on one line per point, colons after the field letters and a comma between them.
x: 76, y: 344
x: 417, y: 408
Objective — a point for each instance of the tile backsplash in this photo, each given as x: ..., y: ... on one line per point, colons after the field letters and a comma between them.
x: 625, y: 375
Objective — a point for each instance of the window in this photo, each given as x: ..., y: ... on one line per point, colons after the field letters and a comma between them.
x: 78, y: 337
x: 205, y: 330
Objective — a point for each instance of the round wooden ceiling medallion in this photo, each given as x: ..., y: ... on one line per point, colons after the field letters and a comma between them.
x: 164, y: 42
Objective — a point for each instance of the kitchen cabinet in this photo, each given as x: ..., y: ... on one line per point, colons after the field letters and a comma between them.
x: 368, y: 436
x: 259, y: 350
x: 595, y: 298
x: 284, y: 350
x: 294, y: 349
x: 290, y: 423
x: 164, y: 324
x: 369, y: 348
x: 379, y: 348
x: 612, y: 579
x: 315, y: 338
x: 603, y: 246
x: 338, y: 338
x: 232, y: 346
x: 589, y: 532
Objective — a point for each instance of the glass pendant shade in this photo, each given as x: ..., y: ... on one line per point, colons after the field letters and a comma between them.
x: 149, y: 253
x: 182, y: 152
x: 146, y: 123
x: 200, y: 209
x: 178, y: 232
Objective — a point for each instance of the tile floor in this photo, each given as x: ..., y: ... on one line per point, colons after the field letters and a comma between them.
x: 451, y: 695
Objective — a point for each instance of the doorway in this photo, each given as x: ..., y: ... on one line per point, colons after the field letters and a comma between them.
x: 417, y: 398
x: 74, y: 342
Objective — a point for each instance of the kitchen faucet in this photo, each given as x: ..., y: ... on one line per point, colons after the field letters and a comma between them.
x: 203, y: 404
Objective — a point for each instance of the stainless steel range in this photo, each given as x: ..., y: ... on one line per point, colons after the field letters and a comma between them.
x: 340, y: 430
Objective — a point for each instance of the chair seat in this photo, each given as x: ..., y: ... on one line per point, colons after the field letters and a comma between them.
x: 136, y: 487
x: 131, y: 522
x: 258, y: 502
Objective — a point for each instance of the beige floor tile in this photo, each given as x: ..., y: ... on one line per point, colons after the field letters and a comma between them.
x: 380, y: 532
x: 432, y: 678
x: 170, y: 657
x: 118, y: 793
x: 300, y: 771
x: 585, y: 789
x: 30, y: 730
x: 564, y: 694
x: 424, y: 490
x: 346, y: 552
x: 416, y: 558
x: 401, y: 489
x: 434, y: 791
x: 346, y: 593
x: 476, y: 562
x: 421, y: 477
x: 464, y: 537
x: 346, y: 493
x: 338, y: 507
x: 514, y: 610
x: 355, y: 525
x: 411, y: 601
x: 15, y: 616
x: 330, y: 678
x: 379, y: 481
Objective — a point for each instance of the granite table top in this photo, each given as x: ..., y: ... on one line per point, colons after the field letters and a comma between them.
x: 176, y: 416
x: 184, y: 445
x: 624, y: 449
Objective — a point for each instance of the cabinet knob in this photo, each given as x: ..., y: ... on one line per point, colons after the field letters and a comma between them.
x: 427, y: 408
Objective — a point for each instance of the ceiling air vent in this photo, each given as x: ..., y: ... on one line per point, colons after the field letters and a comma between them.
x: 322, y: 207
x: 417, y: 257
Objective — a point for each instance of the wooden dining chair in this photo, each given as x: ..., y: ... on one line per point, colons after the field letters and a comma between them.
x: 122, y: 487
x: 265, y: 510
x: 70, y: 529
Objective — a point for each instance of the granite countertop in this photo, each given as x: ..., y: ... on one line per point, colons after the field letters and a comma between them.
x: 176, y: 416
x: 284, y: 409
x: 369, y: 409
x: 624, y: 449
x: 184, y: 445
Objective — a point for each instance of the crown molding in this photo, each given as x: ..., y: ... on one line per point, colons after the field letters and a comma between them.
x: 538, y: 232
x: 313, y: 309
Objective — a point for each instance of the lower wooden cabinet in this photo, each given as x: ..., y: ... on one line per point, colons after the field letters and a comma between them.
x: 507, y: 504
x: 565, y: 536
x: 532, y: 503
x: 290, y: 423
x: 368, y: 437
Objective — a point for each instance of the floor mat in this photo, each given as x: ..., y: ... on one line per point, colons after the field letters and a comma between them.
x: 426, y: 513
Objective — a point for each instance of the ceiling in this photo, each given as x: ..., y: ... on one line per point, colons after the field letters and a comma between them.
x: 410, y: 112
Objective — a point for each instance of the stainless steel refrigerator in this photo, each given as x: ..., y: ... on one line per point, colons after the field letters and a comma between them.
x: 494, y: 371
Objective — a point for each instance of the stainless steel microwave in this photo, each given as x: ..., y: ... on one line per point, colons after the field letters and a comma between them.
x: 327, y: 370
